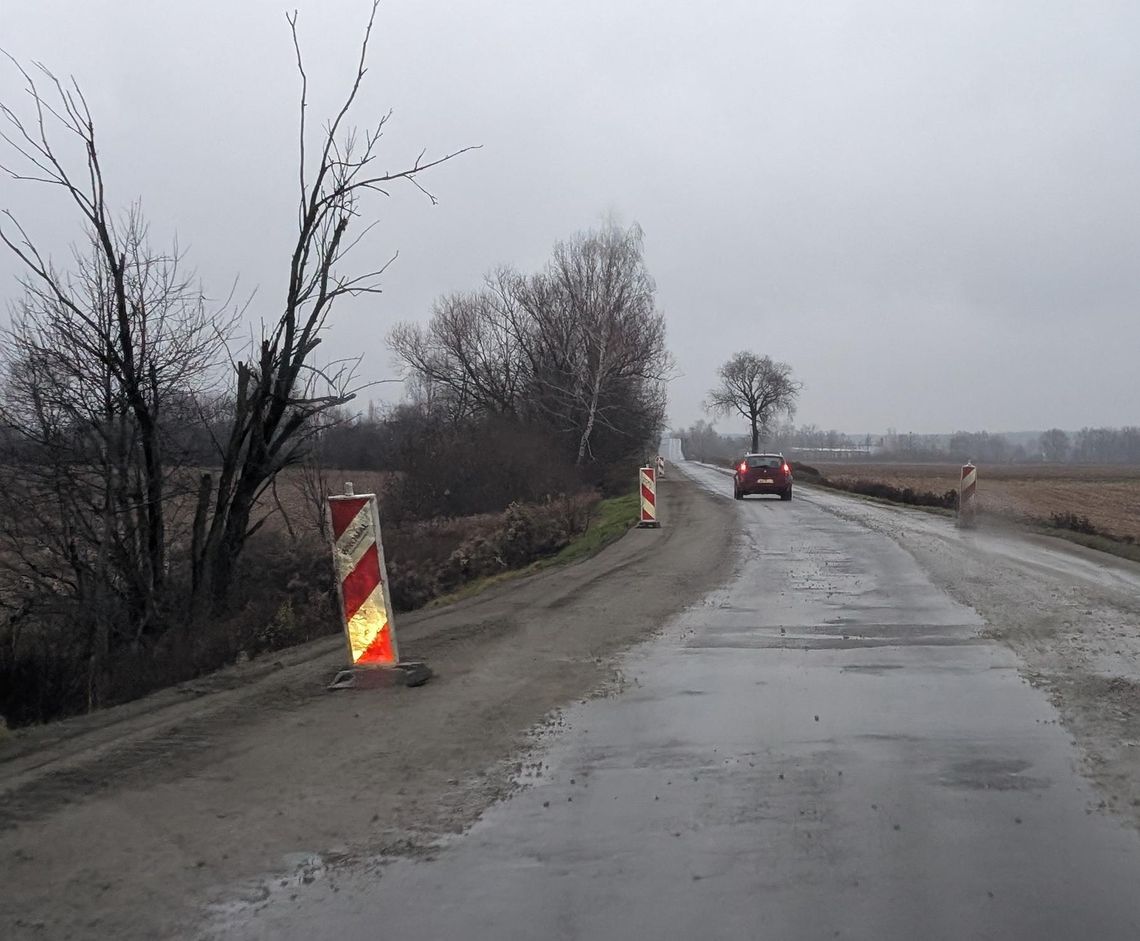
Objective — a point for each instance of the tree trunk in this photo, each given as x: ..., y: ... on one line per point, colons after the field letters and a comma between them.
x: 198, y: 536
x: 584, y: 441
x: 595, y: 398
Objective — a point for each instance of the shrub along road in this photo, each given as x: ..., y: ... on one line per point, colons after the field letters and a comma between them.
x: 226, y: 792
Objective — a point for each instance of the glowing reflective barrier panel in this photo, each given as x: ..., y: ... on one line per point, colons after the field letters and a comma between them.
x: 358, y: 555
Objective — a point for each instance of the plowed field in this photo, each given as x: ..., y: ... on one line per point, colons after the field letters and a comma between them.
x: 1108, y: 494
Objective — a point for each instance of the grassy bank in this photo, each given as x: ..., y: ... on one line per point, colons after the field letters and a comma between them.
x: 609, y: 521
x: 1098, y: 541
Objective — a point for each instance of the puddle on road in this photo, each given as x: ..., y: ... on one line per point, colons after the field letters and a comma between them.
x: 992, y: 774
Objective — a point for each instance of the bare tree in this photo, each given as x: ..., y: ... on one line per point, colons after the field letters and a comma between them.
x: 280, y: 390
x: 98, y: 363
x: 615, y: 332
x: 470, y: 357
x: 755, y: 387
x: 1055, y: 445
x: 313, y: 481
x: 109, y: 375
x: 579, y: 348
x: 701, y: 442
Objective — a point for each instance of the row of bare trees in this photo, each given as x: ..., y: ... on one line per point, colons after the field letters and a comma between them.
x: 1092, y: 445
x: 578, y: 348
x: 110, y: 535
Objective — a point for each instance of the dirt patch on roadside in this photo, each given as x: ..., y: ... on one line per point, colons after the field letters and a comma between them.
x: 148, y: 814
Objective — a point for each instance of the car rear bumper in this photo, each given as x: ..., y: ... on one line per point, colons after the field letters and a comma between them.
x: 756, y: 488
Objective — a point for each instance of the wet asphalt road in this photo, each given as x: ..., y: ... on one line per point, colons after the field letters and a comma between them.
x: 824, y: 748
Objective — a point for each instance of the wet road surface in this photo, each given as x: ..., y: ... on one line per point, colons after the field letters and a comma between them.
x: 823, y: 748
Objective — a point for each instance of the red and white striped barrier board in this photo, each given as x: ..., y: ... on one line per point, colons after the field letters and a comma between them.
x: 968, y: 496
x: 648, y: 481
x: 362, y: 579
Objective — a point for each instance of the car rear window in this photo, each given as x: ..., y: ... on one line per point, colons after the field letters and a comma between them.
x: 765, y: 460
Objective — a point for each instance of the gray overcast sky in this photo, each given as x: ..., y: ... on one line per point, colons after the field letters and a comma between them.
x: 929, y: 210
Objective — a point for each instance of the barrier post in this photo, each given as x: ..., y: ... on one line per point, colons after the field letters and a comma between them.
x: 647, y: 478
x: 660, y: 466
x: 968, y: 497
x: 365, y: 603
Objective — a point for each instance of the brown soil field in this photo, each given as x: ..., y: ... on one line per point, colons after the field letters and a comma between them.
x: 298, y: 508
x: 1108, y: 494
x: 288, y: 505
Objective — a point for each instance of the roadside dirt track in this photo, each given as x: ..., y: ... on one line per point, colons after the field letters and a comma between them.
x: 130, y: 824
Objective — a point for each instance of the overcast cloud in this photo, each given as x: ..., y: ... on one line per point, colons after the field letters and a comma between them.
x: 928, y: 210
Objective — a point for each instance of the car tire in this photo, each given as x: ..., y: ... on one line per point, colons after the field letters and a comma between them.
x: 737, y: 495
x: 787, y: 494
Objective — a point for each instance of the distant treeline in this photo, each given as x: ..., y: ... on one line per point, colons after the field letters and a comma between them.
x: 702, y: 441
x: 1087, y: 446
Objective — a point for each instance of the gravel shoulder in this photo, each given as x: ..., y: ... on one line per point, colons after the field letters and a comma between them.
x: 227, y: 791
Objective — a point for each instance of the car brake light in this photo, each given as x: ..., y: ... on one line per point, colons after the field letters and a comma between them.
x: 743, y: 466
x: 787, y: 470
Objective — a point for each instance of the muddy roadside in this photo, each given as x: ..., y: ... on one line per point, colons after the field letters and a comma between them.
x: 132, y: 825
x: 1072, y: 614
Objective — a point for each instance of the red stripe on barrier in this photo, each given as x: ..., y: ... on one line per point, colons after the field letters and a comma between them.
x: 361, y: 581
x: 344, y: 512
x: 647, y: 495
x: 380, y: 650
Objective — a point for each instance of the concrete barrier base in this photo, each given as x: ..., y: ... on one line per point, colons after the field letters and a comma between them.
x: 406, y: 673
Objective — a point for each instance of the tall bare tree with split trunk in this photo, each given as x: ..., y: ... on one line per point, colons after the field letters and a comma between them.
x: 113, y: 384
x: 280, y: 391
x: 757, y: 388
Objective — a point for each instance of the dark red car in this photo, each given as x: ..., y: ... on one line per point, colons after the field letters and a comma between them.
x: 762, y: 473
